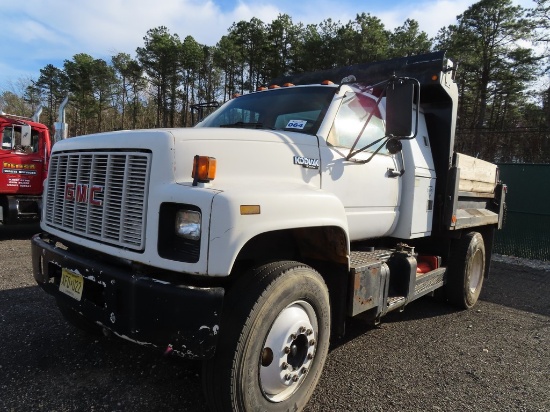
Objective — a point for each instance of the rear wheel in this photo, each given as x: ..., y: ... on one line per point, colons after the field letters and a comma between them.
x: 466, y: 271
x: 274, y: 341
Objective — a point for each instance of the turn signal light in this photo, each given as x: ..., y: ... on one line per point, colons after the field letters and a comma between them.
x: 204, y: 169
x: 250, y: 209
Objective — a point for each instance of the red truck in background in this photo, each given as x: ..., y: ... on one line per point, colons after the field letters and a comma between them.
x: 24, y: 156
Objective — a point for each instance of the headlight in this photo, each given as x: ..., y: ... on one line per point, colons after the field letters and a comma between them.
x: 179, y: 232
x: 188, y: 224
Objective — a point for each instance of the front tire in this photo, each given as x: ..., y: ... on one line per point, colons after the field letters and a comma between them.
x: 274, y: 341
x: 466, y: 271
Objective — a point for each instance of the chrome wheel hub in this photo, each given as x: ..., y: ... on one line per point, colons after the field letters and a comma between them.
x: 289, y: 351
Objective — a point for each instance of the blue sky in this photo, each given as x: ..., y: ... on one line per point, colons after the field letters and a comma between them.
x: 34, y: 33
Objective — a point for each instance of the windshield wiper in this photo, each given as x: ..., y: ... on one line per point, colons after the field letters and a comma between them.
x: 244, y: 125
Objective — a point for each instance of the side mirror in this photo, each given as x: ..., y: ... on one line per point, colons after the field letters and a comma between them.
x: 399, y: 108
x: 25, y: 135
x: 394, y: 146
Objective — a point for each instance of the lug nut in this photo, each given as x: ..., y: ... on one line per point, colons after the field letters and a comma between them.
x: 284, y: 365
x: 286, y: 349
x: 302, y: 329
x: 309, y: 332
x: 304, y: 370
x: 312, y: 342
x: 310, y: 356
x: 295, y: 378
x: 293, y: 336
x: 287, y: 377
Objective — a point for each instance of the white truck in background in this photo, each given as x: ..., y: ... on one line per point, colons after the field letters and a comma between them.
x: 248, y: 240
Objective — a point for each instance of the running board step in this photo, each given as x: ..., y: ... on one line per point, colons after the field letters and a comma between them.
x: 395, y: 302
x: 361, y: 259
x: 429, y: 281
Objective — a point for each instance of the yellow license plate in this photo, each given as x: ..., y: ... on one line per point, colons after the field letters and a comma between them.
x: 71, y: 284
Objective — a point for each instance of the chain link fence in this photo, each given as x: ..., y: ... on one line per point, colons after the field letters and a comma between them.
x: 526, y: 232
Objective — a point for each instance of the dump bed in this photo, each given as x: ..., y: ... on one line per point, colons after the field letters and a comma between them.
x: 474, y: 196
x: 476, y: 176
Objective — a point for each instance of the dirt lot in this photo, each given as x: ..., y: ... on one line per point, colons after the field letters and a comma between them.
x: 495, y: 357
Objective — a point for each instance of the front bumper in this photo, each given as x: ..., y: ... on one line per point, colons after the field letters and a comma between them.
x: 139, y: 308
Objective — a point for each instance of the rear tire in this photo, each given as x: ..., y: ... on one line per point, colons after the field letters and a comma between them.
x: 466, y: 271
x: 273, y: 342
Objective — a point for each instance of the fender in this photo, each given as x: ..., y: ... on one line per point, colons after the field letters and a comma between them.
x: 284, y: 207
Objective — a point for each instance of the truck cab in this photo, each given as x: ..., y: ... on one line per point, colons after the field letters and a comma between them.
x: 248, y: 241
x: 24, y: 159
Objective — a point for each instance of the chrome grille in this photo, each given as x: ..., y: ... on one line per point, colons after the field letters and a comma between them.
x: 100, y: 196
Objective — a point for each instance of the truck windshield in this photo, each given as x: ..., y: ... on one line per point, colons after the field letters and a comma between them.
x: 11, y: 140
x: 298, y: 109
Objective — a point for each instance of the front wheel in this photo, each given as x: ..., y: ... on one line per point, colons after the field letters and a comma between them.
x: 274, y: 341
x: 466, y: 271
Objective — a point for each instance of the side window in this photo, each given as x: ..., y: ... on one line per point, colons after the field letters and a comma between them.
x: 34, y: 141
x: 11, y: 139
x: 7, y: 140
x: 350, y: 121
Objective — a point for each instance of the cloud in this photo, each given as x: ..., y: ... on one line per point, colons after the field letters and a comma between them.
x: 36, y: 33
x: 430, y: 15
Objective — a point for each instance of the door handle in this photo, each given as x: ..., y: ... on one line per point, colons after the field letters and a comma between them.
x: 394, y: 173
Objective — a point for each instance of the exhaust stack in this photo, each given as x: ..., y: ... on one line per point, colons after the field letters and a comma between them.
x: 61, y: 128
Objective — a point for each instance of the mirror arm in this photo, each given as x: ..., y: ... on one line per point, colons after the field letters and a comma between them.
x: 373, y: 154
x: 351, y: 152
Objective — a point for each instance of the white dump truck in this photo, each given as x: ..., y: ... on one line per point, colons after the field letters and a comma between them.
x: 247, y: 241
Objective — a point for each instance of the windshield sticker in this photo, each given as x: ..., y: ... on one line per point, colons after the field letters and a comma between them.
x: 296, y: 124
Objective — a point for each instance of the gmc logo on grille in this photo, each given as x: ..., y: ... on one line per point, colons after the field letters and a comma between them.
x: 82, y: 193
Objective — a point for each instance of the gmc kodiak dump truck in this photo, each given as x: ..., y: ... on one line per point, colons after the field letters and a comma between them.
x: 248, y: 240
x: 24, y: 157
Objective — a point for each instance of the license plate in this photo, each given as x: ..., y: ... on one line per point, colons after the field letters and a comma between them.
x: 71, y: 284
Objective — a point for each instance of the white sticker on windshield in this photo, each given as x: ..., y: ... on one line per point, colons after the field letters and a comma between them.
x: 296, y: 124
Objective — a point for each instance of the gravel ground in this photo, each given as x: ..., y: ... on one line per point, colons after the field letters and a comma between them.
x: 428, y: 358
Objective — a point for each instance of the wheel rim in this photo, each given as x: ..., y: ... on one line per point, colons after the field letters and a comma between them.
x: 476, y: 273
x: 288, y: 351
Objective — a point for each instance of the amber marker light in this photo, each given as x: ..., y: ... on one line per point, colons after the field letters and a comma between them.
x: 326, y: 82
x: 204, y: 169
x: 274, y: 86
x: 288, y: 85
x: 434, y: 77
x: 250, y: 209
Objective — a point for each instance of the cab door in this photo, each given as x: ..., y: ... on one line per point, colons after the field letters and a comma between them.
x: 367, y: 183
x: 22, y: 161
